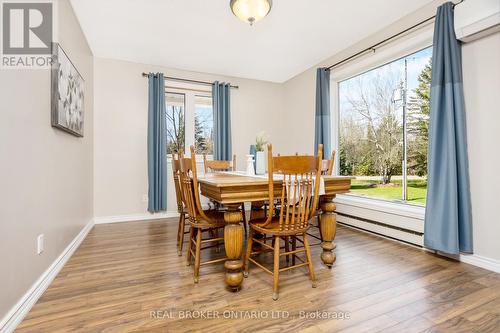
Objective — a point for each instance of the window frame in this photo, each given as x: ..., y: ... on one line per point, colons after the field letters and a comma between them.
x: 400, y: 48
x: 190, y: 92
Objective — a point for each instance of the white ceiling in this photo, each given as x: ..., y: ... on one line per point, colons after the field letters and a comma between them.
x: 204, y: 36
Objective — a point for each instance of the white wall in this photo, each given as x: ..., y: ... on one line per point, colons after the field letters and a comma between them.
x: 120, y: 161
x: 481, y: 73
x: 46, y: 175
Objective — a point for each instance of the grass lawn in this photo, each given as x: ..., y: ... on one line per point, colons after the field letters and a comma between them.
x: 417, y: 190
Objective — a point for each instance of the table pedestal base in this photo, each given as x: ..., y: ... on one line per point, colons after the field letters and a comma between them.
x: 233, y: 243
x: 328, y: 225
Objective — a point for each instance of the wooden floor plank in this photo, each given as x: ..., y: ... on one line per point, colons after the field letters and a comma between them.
x: 123, y: 276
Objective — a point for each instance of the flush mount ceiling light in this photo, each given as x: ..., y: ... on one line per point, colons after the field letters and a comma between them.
x: 251, y: 11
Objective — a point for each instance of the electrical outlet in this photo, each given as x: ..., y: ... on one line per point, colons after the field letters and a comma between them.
x: 145, y: 198
x: 40, y: 244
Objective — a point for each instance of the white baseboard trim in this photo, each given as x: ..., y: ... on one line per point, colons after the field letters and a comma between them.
x: 134, y: 217
x: 14, y: 317
x: 480, y: 261
x: 473, y: 259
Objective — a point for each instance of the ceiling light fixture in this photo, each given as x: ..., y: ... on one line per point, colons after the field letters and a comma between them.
x: 251, y: 11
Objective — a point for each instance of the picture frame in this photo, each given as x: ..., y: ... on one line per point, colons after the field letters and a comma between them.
x: 67, y: 93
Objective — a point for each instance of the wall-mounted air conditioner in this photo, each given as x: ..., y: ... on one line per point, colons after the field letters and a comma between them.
x: 476, y: 18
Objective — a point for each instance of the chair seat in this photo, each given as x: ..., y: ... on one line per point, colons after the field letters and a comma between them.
x: 273, y: 228
x: 216, y: 220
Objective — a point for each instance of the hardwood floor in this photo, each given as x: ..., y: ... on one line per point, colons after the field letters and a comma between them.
x: 127, y: 277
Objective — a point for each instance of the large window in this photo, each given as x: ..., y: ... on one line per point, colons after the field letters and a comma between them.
x: 189, y: 120
x: 383, y: 129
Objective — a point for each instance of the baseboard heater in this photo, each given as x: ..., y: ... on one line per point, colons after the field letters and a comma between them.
x: 382, y: 229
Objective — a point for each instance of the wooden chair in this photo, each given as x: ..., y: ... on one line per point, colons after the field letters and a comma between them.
x: 327, y: 165
x: 299, y: 199
x: 199, y: 220
x: 220, y: 166
x: 181, y: 208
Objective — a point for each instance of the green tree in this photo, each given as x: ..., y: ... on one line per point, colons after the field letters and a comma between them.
x: 418, y: 122
x: 352, y: 147
x: 199, y: 139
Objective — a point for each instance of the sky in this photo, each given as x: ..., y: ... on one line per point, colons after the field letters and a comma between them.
x: 416, y: 63
x: 205, y: 115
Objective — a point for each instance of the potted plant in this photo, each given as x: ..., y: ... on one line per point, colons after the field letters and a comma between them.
x: 260, y: 157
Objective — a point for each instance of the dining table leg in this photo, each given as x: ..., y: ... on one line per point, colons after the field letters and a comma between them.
x: 233, y: 243
x: 328, y: 225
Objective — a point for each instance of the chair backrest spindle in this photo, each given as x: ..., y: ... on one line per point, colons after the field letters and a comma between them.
x: 176, y: 169
x: 218, y: 165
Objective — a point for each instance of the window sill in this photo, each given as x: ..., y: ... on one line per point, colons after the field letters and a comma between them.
x: 388, y: 207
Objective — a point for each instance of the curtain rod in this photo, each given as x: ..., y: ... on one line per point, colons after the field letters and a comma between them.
x: 374, y: 46
x: 188, y: 80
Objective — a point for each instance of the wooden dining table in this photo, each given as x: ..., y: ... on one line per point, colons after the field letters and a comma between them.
x: 231, y: 189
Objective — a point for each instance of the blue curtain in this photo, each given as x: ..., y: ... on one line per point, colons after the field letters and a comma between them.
x: 157, y: 144
x: 323, y: 130
x: 222, y: 121
x: 448, y: 217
